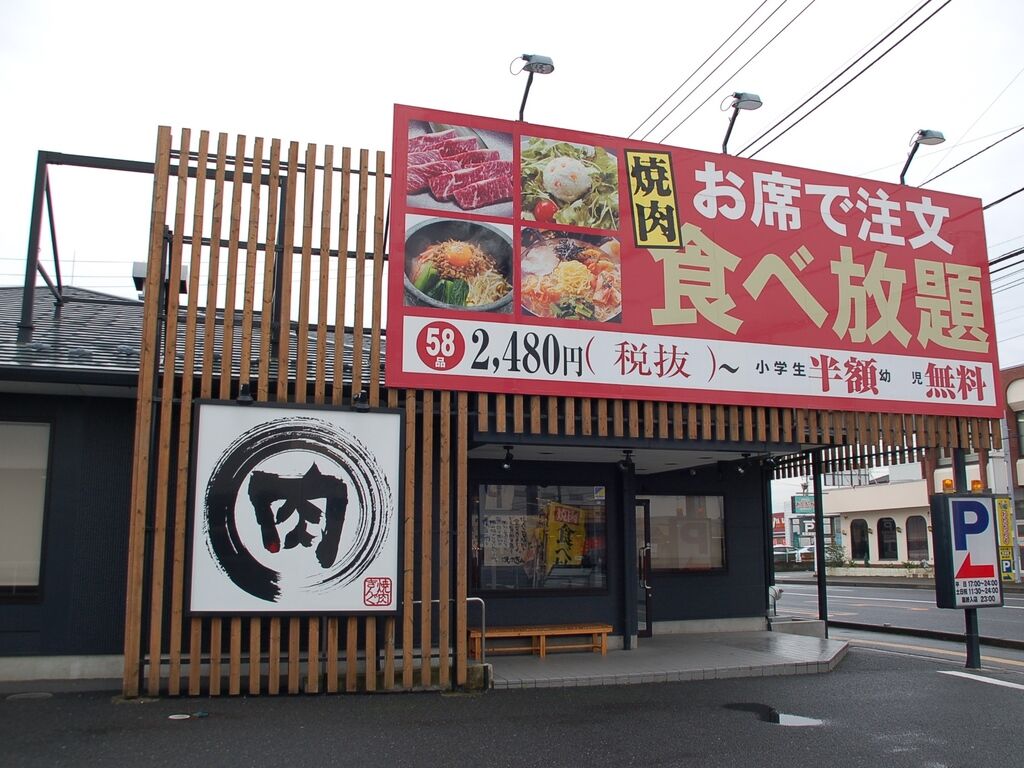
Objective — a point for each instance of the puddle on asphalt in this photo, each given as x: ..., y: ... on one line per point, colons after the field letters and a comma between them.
x: 772, y: 715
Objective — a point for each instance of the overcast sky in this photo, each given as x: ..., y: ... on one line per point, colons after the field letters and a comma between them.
x: 97, y: 78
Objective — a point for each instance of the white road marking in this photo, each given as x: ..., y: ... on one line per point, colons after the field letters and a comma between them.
x: 885, y: 599
x: 878, y: 599
x: 981, y: 679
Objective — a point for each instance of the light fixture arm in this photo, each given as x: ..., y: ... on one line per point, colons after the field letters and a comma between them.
x: 910, y: 156
x: 526, y: 93
x: 728, y: 132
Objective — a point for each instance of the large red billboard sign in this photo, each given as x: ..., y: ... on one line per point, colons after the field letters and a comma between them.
x: 535, y: 260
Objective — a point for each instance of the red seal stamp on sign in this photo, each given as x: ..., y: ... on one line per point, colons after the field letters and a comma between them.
x: 377, y: 591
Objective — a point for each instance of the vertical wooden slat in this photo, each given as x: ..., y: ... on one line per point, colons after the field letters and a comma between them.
x: 482, y: 415
x: 634, y: 418
x: 313, y: 655
x: 245, y: 358
x: 535, y: 415
x: 251, y: 257
x: 748, y: 423
x: 370, y: 654
x: 602, y: 418
x: 331, y: 651
x: 216, y: 653
x: 269, y: 267
x: 691, y: 421
x: 569, y: 421
x: 443, y: 538
x: 143, y: 420
x: 305, y: 267
x: 773, y: 416
x: 341, y: 290
x: 378, y: 281
x: 517, y: 414
x: 461, y: 537
x: 231, y: 278
x: 389, y: 652
x: 762, y: 425
x: 255, y: 656
x: 663, y: 420
x: 352, y: 654
x: 426, y: 538
x: 326, y: 198
x: 787, y: 426
x: 294, y: 654
x: 235, y: 657
x: 274, y: 657
x: 285, y: 271
x: 720, y: 423
x: 618, y: 426
x: 705, y: 421
x: 185, y: 424
x: 158, y: 534
x: 648, y: 419
x: 552, y: 415
x: 677, y: 421
x: 500, y: 414
x: 586, y: 417
x: 359, y: 289
x: 408, y: 548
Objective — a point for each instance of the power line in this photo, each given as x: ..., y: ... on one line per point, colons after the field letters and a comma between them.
x: 710, y: 56
x: 742, y: 67
x: 840, y: 74
x: 1002, y: 199
x: 933, y: 178
x: 852, y: 80
x: 709, y: 74
x: 1005, y: 256
x: 983, y: 113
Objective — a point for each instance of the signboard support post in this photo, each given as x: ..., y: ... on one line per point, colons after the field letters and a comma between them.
x: 819, y: 538
x: 970, y: 614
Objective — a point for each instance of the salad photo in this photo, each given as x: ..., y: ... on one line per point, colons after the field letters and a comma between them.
x: 569, y: 184
x: 571, y: 277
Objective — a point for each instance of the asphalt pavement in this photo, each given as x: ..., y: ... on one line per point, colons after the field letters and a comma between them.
x: 876, y: 708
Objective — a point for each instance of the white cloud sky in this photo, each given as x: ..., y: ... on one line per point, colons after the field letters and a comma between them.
x: 98, y: 78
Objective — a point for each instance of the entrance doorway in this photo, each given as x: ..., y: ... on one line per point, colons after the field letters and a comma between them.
x: 643, y: 568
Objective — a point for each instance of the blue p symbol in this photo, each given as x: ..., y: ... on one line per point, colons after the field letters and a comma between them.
x: 961, y: 528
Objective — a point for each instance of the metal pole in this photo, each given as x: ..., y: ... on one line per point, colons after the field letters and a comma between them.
x: 728, y: 132
x: 529, y: 82
x: 819, y: 539
x: 970, y: 614
x: 32, y: 258
x: 1011, y: 483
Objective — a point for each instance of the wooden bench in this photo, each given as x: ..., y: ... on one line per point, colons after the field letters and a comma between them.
x: 538, y: 635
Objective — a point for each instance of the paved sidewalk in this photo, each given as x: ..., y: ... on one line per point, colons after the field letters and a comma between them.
x: 674, y: 658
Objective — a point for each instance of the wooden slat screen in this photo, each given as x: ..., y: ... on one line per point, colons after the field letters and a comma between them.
x: 285, y: 250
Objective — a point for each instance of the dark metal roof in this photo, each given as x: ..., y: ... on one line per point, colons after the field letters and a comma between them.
x: 96, y: 337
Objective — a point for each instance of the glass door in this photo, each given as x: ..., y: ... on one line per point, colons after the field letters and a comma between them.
x: 643, y: 569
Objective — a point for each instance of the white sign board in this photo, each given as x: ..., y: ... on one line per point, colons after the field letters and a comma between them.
x: 967, y: 558
x: 294, y: 510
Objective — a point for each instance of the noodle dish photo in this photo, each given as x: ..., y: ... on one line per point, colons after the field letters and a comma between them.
x: 571, y: 277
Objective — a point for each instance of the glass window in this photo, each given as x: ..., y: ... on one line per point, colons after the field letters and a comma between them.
x: 887, y: 548
x: 687, y: 532
x: 859, y: 539
x: 533, y: 537
x: 917, y: 538
x: 24, y: 452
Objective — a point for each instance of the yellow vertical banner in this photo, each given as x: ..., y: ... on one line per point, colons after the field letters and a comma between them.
x: 1004, y: 531
x: 652, y: 193
x: 567, y: 533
